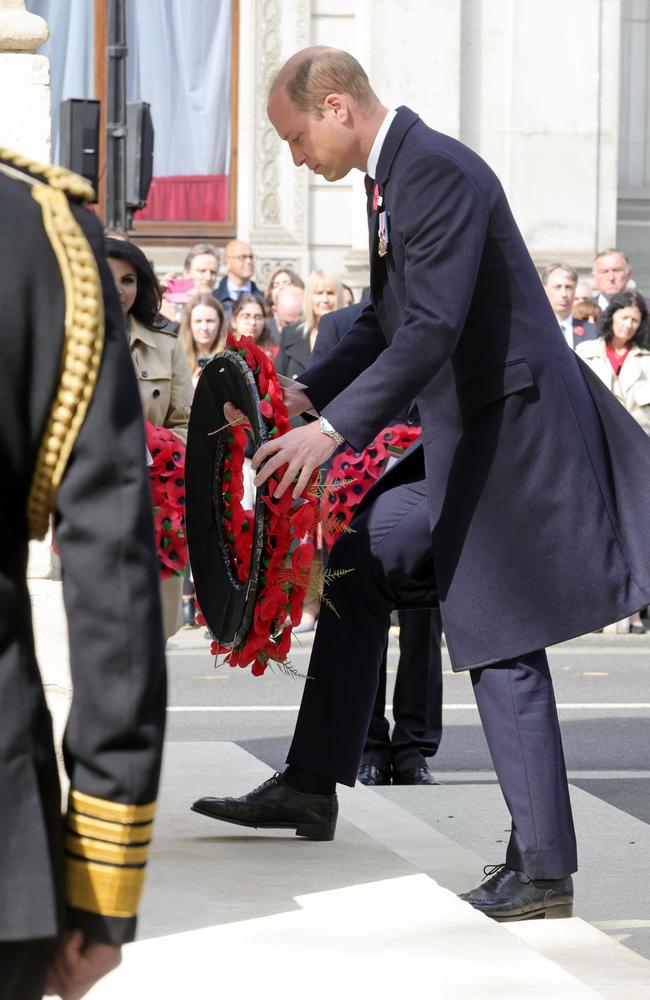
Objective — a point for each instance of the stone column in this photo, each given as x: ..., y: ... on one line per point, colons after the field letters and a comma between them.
x: 272, y: 193
x: 25, y: 119
x: 546, y: 118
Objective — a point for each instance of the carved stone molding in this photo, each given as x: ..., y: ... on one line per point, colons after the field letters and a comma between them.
x: 20, y: 31
x: 267, y: 265
x: 280, y: 208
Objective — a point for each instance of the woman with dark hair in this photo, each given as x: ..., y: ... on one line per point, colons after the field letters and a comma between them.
x: 249, y: 319
x: 620, y: 356
x: 160, y: 367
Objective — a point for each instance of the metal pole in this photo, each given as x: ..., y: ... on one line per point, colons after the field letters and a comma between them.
x: 116, y: 118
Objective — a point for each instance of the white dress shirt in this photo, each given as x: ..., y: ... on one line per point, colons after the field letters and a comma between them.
x: 373, y: 159
x: 566, y: 326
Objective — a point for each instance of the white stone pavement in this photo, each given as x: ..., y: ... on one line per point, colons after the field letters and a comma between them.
x: 229, y: 911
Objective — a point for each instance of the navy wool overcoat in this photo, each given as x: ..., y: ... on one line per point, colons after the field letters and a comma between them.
x: 538, y: 480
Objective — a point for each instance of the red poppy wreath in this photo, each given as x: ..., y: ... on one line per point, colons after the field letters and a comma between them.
x: 167, y: 480
x: 352, y: 473
x: 269, y: 547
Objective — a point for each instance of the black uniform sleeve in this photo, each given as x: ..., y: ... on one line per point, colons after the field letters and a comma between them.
x: 113, y: 740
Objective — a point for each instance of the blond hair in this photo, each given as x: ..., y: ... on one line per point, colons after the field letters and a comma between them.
x: 316, y: 278
x: 185, y: 332
x: 321, y: 71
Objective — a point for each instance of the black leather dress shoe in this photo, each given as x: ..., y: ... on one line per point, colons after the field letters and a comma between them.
x: 420, y: 775
x: 372, y: 774
x: 276, y: 806
x: 510, y: 895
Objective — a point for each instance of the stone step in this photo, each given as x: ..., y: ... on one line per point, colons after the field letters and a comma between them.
x: 229, y: 910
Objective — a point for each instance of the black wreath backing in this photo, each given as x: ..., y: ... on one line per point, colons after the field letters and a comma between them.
x: 227, y: 604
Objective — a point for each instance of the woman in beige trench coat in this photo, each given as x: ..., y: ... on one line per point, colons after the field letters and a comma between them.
x: 620, y: 356
x: 163, y: 376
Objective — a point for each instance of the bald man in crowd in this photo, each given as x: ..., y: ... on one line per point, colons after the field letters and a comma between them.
x: 238, y: 280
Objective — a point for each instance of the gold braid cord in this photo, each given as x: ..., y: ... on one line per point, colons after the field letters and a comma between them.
x: 82, y: 345
x: 56, y: 177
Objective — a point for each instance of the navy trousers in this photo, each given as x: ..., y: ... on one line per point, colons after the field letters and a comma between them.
x: 390, y: 554
x: 23, y: 968
x: 417, y: 698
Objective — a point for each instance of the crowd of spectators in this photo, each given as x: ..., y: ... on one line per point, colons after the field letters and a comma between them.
x: 603, y: 318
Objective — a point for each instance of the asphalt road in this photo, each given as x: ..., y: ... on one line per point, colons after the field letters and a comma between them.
x: 602, y: 687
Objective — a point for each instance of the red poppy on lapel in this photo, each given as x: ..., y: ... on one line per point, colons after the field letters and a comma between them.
x: 579, y: 331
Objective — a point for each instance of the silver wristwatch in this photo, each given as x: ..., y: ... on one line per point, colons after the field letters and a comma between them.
x: 326, y: 428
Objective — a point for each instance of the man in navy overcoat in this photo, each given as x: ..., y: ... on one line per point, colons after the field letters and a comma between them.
x: 523, y: 513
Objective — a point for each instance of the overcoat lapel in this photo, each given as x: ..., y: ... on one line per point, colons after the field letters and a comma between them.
x: 402, y: 122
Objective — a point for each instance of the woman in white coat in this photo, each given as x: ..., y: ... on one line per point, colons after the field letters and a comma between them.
x: 620, y: 356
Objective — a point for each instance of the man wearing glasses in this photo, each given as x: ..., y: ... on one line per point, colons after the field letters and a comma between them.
x: 238, y: 280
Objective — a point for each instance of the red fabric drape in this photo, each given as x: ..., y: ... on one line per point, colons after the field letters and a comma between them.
x: 187, y: 198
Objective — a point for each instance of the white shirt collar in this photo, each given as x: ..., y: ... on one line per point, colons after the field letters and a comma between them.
x: 566, y: 325
x: 373, y: 159
x: 234, y: 291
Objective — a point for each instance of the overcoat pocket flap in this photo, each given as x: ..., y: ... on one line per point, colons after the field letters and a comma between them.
x: 495, y: 384
x: 641, y: 393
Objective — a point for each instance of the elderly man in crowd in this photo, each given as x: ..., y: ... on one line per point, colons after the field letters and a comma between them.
x: 611, y: 274
x: 238, y: 280
x: 560, y: 281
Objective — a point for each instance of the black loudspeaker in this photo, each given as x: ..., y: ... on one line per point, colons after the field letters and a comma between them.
x: 79, y: 138
x: 139, y: 153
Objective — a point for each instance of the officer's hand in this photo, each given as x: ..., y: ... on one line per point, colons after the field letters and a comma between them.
x: 77, y: 964
x: 296, y: 401
x: 302, y: 450
x: 235, y: 417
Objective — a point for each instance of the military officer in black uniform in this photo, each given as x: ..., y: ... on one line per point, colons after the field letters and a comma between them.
x: 72, y: 444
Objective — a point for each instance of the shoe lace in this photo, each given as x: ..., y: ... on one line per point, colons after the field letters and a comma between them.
x: 499, y: 870
x: 269, y: 781
x: 491, y: 870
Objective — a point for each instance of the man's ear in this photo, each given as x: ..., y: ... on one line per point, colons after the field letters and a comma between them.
x: 337, y: 104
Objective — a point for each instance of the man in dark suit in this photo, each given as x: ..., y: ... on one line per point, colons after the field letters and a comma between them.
x: 238, y: 279
x: 560, y: 282
x: 72, y: 443
x: 399, y: 757
x: 611, y: 273
x: 507, y: 516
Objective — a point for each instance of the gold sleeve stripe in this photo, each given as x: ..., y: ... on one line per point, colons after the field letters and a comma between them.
x: 112, y: 833
x: 111, y: 891
x: 89, y: 849
x: 115, y: 812
x: 81, y: 356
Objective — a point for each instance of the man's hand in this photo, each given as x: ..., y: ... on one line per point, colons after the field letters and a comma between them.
x: 302, y: 450
x: 296, y: 401
x: 77, y: 964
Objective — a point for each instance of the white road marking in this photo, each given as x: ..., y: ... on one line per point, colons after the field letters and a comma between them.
x: 468, y: 707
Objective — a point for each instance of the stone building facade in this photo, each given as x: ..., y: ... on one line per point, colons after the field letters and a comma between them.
x: 555, y: 96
